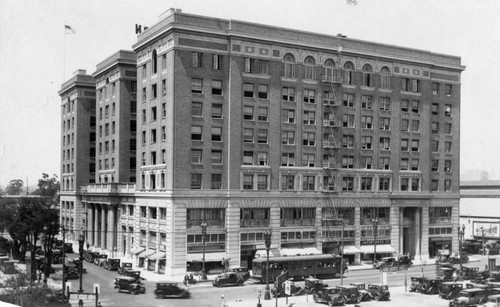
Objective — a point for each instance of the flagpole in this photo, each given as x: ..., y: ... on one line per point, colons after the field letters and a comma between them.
x: 64, y: 56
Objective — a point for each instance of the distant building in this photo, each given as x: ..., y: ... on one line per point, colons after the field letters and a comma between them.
x: 245, y: 128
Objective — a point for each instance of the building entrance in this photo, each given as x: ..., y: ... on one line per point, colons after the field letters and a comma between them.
x: 410, y: 230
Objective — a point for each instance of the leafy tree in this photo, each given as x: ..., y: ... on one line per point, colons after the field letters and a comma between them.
x: 48, y: 187
x: 15, y: 187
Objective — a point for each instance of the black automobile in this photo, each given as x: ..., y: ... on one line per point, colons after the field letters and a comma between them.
x: 416, y: 283
x: 243, y: 272
x: 99, y: 260
x: 313, y: 285
x: 111, y: 264
x: 401, y: 261
x: 430, y: 285
x: 450, y: 290
x: 125, y: 266
x: 329, y: 295
x: 170, y: 289
x: 131, y: 273
x: 228, y: 279
x: 91, y: 256
x: 365, y: 295
x: 68, y: 247
x: 379, y: 292
x: 351, y: 294
x: 129, y: 284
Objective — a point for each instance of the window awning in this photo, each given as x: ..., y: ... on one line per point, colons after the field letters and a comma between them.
x: 272, y: 253
x: 136, y: 249
x: 147, y: 253
x: 209, y: 257
x: 157, y: 255
x: 381, y: 249
x: 351, y: 250
x: 299, y: 251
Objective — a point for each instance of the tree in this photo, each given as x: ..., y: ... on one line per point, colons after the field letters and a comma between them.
x: 15, y: 187
x: 48, y: 187
x: 2, y: 192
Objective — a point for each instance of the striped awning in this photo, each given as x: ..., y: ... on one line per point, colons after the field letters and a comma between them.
x: 136, y: 249
x: 146, y: 253
x: 157, y: 256
x: 351, y: 250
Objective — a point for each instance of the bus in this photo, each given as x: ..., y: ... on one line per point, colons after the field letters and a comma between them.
x: 298, y: 267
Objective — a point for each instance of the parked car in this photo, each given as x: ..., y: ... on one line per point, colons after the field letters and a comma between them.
x: 351, y: 294
x: 241, y: 271
x: 379, y: 292
x: 76, y: 262
x: 365, y: 295
x: 134, y: 274
x: 450, y: 290
x: 470, y: 297
x: 492, y: 301
x: 469, y: 273
x: 91, y: 256
x: 416, y: 283
x: 99, y: 260
x: 228, y: 279
x: 168, y: 289
x: 111, y: 264
x: 446, y: 273
x: 313, y: 285
x: 457, y: 258
x: 124, y: 266
x: 430, y: 286
x: 329, y: 295
x: 129, y: 284
x: 404, y: 260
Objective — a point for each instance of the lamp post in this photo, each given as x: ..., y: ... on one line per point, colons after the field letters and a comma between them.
x: 81, y: 240
x: 482, y: 231
x: 375, y: 231
x: 267, y: 237
x: 460, y: 239
x: 342, y: 256
x: 203, y: 239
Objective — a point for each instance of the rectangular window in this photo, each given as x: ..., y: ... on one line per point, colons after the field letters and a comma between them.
x: 217, y: 134
x: 247, y: 181
x: 153, y: 136
x: 248, y: 113
x: 347, y: 183
x: 405, y: 105
x: 216, y: 61
x: 248, y: 158
x: 415, y: 184
x: 309, y: 96
x: 216, y: 87
x: 163, y: 133
x: 384, y: 163
x: 196, y: 85
x: 385, y: 143
x: 348, y: 141
x: 348, y: 120
x: 288, y: 116
x: 164, y: 61
x: 196, y: 156
x: 216, y: 182
x: 385, y: 123
x: 384, y: 184
x: 415, y: 106
x: 197, y: 59
x: 262, y: 159
x: 309, y: 117
x: 153, y: 114
x: 262, y: 136
x: 196, y: 109
x: 216, y: 110
x: 366, y: 122
x: 288, y: 159
x: 447, y: 185
x: 367, y: 162
x: 249, y: 65
x: 447, y: 128
x: 435, y: 165
x: 404, y: 184
x: 195, y: 181
x: 154, y: 91
x: 366, y: 142
x: 434, y: 128
x: 309, y: 160
x: 434, y: 185
x: 262, y: 114
x: 435, y: 109
x: 216, y: 157
x: 447, y: 110
x: 143, y: 137
x: 404, y: 145
x: 435, y: 88
x: 288, y: 138
x: 261, y: 182
x: 366, y: 183
x: 262, y: 91
x: 447, y: 90
x: 248, y: 135
x: 348, y: 100
x: 414, y: 145
x: 288, y: 93
x: 196, y: 133
x: 308, y: 183
x: 248, y: 90
x: 287, y: 182
x: 435, y: 146
x: 447, y: 166
x: 308, y: 138
x: 347, y: 161
x: 385, y: 103
x: 366, y: 102
x: 164, y: 110
x: 163, y: 87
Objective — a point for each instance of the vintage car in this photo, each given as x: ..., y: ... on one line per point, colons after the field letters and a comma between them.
x: 470, y: 297
x: 350, y: 293
x: 90, y: 256
x: 294, y: 290
x: 111, y: 264
x: 125, y: 266
x: 365, y: 295
x: 416, y: 283
x: 469, y: 273
x: 99, y: 260
x: 134, y: 274
x: 446, y: 274
x: 492, y: 301
x: 450, y: 290
x: 168, y: 289
x: 68, y: 248
x: 379, y: 292
x: 76, y: 262
x: 430, y: 285
x: 313, y: 285
x: 228, y: 279
x: 129, y: 284
x: 401, y: 261
x: 457, y: 258
x: 241, y: 271
x: 385, y: 261
x: 329, y: 295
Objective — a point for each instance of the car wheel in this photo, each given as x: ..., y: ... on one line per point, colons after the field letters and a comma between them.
x: 360, y: 298
x: 331, y: 303
x: 117, y: 289
x: 376, y: 297
x: 134, y: 291
x: 159, y: 293
x: 341, y: 300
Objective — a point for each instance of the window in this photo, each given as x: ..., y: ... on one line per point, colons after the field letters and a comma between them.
x: 447, y: 110
x: 247, y: 181
x: 143, y: 137
x: 347, y: 183
x: 163, y: 133
x: 366, y: 142
x: 216, y: 157
x: 434, y: 128
x: 366, y: 122
x: 262, y: 91
x: 308, y: 138
x: 348, y: 100
x: 404, y: 145
x: 415, y: 184
x: 261, y: 182
x: 385, y: 78
x: 308, y: 183
x: 196, y: 85
x: 447, y: 166
x: 153, y: 136
x: 164, y: 110
x: 196, y: 156
x: 414, y: 145
x: 154, y: 92
x: 288, y: 93
x: 249, y: 65
x: 435, y: 165
x: 447, y: 185
x: 197, y: 59
x: 385, y: 123
x: 405, y: 103
x: 216, y: 87
x: 434, y: 185
x: 164, y: 61
x: 367, y: 162
x: 289, y: 116
x: 447, y: 147
x: 367, y: 75
x: 217, y: 134
x: 410, y: 85
x: 435, y: 146
x: 435, y: 88
x: 447, y: 90
x: 216, y: 61
x: 287, y: 182
x: 435, y: 109
x: 262, y: 159
x: 196, y: 133
x: 195, y: 181
x: 384, y: 184
x: 348, y: 141
x: 143, y: 158
x: 414, y: 164
x: 262, y: 136
x: 248, y: 90
x: 347, y: 161
x: 248, y: 113
x: 289, y: 66
x: 309, y: 160
x: 349, y: 73
x: 385, y: 103
x: 309, y: 118
x: 288, y: 159
x: 310, y: 68
x: 447, y: 128
x: 216, y: 110
x: 384, y: 143
x: 288, y: 138
x: 248, y: 135
x: 415, y: 106
x: 348, y: 120
x: 163, y: 156
x: 153, y: 114
x: 216, y: 182
x: 106, y: 129
x: 366, y: 183
x: 262, y: 114
x: 196, y: 109
x: 144, y: 72
x: 404, y: 184
x: 106, y: 112
x: 248, y: 158
x: 163, y: 87
x: 309, y: 96
x: 384, y: 163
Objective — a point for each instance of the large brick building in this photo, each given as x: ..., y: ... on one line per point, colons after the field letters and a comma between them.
x: 246, y: 128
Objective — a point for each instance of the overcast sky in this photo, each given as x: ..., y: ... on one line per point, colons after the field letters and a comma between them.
x: 33, y: 65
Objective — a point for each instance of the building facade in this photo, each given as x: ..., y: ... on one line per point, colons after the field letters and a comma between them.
x: 243, y: 128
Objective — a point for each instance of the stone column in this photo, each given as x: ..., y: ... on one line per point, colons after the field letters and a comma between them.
x: 176, y: 239
x: 396, y: 220
x: 97, y: 217
x: 112, y: 227
x: 424, y: 251
x: 233, y: 246
x: 104, y: 226
x: 418, y: 233
x: 357, y: 236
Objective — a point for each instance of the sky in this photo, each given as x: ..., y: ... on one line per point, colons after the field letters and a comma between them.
x: 36, y: 57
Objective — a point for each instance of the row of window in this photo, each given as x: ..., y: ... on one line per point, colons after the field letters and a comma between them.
x: 153, y: 135
x: 153, y: 91
x: 106, y: 92
x: 106, y: 129
x: 154, y: 113
x: 106, y: 111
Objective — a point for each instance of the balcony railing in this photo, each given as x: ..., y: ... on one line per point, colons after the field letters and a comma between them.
x: 254, y: 223
x: 297, y: 222
x: 210, y: 223
x: 109, y: 188
x: 369, y: 221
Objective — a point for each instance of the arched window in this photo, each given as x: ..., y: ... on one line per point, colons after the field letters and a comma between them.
x: 154, y: 62
x: 289, y: 66
x: 385, y: 77
x: 310, y: 68
x: 367, y: 75
x: 329, y: 70
x: 349, y: 71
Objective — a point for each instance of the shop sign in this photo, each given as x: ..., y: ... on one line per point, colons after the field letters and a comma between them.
x: 371, y: 242
x: 491, y: 230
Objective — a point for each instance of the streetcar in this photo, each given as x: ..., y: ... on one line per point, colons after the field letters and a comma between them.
x: 297, y: 267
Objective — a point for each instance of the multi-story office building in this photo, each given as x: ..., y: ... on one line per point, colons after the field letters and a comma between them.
x: 243, y: 128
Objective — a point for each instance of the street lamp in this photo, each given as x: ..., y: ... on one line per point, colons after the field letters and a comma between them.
x: 460, y: 239
x: 203, y: 239
x: 267, y: 238
x: 342, y: 257
x: 482, y: 231
x: 81, y: 240
x: 375, y: 231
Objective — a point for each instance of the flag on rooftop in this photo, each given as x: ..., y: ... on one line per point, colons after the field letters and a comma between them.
x: 69, y: 30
